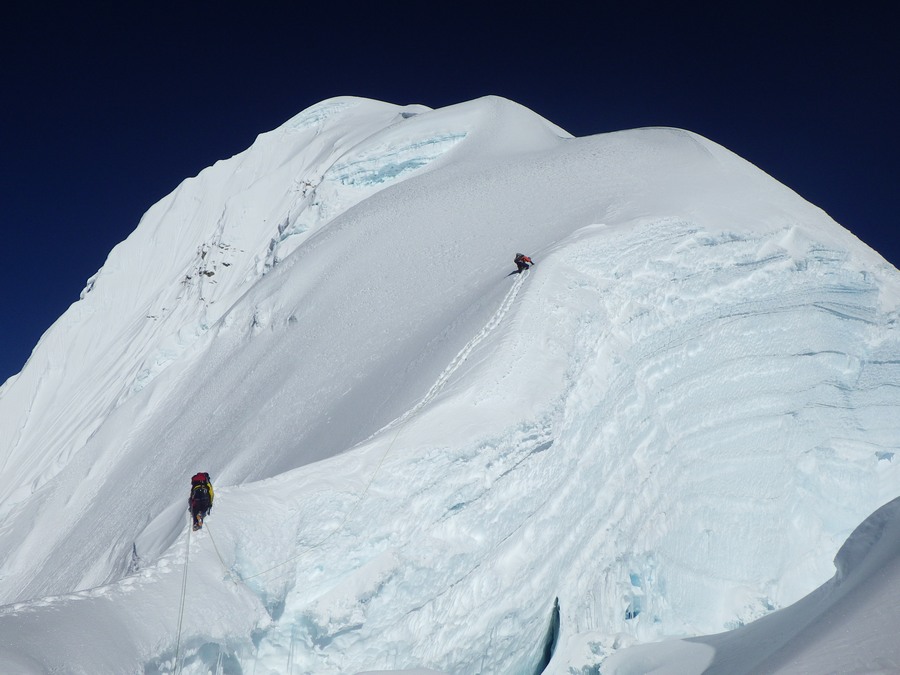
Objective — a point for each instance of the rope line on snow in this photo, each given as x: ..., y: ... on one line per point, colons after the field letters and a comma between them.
x: 402, y: 420
x: 290, y: 662
x: 187, y: 558
x: 221, y: 560
x: 401, y: 423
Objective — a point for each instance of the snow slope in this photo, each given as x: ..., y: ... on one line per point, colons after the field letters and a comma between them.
x: 668, y: 426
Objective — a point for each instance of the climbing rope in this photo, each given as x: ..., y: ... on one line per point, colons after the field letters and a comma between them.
x: 187, y: 557
x: 290, y: 663
x: 401, y: 422
x: 234, y: 578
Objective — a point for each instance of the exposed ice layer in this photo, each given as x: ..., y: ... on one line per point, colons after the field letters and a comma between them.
x: 318, y: 114
x: 330, y: 111
x: 381, y: 164
x: 372, y: 165
x: 169, y: 351
x: 838, y: 628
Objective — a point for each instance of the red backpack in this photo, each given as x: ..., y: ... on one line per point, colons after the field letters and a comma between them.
x: 201, y: 477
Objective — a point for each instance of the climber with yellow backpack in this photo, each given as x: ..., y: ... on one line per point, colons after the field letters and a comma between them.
x: 201, y: 499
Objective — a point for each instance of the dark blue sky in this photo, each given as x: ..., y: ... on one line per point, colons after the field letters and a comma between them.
x: 107, y: 108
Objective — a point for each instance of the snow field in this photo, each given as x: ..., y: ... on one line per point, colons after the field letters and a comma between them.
x: 670, y: 424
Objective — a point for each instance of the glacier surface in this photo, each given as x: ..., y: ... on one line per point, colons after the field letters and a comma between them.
x: 665, y: 429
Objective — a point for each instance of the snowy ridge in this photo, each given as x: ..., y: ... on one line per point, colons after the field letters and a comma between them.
x: 669, y: 426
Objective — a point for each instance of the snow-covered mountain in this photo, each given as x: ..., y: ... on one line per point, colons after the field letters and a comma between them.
x: 667, y: 428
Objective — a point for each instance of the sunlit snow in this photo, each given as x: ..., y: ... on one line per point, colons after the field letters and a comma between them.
x: 667, y: 429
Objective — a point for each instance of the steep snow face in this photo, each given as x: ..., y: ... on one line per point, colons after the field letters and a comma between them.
x: 670, y: 424
x: 193, y: 256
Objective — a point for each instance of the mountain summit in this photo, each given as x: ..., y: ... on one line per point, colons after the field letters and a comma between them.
x: 667, y: 427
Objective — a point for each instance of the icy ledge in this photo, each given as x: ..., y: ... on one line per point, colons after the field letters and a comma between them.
x: 834, y: 629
